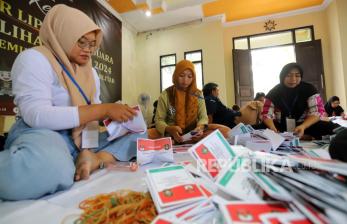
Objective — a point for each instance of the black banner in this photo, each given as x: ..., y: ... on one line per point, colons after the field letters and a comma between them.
x: 20, y: 22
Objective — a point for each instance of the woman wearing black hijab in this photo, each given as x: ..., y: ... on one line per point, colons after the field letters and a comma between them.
x: 333, y: 108
x: 295, y: 105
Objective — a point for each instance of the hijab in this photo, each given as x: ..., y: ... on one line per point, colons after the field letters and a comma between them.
x: 60, y: 31
x: 184, y: 102
x: 330, y: 110
x: 291, y: 101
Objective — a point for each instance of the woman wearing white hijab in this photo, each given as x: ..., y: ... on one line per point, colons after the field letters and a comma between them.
x: 57, y: 92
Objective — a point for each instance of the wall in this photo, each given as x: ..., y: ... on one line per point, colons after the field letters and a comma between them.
x: 334, y: 31
x: 342, y: 21
x: 317, y: 19
x: 206, y: 36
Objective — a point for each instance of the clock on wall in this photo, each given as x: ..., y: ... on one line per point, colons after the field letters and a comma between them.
x: 270, y: 25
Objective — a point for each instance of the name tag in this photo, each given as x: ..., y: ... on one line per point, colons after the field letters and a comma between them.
x: 90, y: 136
x: 291, y: 124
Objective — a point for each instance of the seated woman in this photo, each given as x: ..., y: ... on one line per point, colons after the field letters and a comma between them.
x: 333, y: 108
x: 181, y: 107
x: 294, y: 105
x: 57, y: 92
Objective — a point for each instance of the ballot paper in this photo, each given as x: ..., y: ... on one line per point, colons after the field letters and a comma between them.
x: 275, y: 138
x: 272, y: 188
x: 212, y: 153
x: 239, y: 129
x: 236, y: 181
x: 117, y: 129
x: 334, y: 166
x: 285, y: 218
x: 154, y: 150
x: 238, y: 212
x: 172, y: 187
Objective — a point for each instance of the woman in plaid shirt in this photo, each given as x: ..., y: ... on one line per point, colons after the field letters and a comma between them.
x: 295, y: 105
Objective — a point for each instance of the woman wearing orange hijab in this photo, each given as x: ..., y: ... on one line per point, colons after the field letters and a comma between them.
x: 57, y: 93
x: 181, y: 107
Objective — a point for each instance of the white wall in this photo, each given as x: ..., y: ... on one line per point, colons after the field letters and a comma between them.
x: 149, y: 47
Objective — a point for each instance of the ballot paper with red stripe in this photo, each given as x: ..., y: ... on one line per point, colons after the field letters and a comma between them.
x: 154, y: 150
x: 213, y: 153
x: 250, y: 212
x: 172, y: 187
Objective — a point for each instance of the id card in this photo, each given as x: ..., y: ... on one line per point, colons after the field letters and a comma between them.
x: 90, y: 136
x: 290, y: 124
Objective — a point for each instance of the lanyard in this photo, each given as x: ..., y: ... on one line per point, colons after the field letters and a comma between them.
x: 289, y: 109
x: 74, y: 82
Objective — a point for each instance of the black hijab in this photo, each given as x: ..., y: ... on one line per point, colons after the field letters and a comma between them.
x: 291, y: 101
x: 330, y: 110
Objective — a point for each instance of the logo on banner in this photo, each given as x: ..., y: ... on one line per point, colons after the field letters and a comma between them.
x: 43, y: 5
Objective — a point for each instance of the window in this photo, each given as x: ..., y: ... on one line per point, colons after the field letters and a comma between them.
x: 270, y: 40
x: 196, y: 58
x: 276, y: 38
x: 167, y: 68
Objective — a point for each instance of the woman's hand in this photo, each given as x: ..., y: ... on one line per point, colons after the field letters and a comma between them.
x: 300, y: 130
x: 120, y: 112
x: 175, y: 132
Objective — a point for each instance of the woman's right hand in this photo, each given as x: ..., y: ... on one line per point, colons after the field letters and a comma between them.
x: 120, y: 112
x: 175, y: 132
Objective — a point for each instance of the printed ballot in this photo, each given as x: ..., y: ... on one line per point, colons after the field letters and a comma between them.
x: 172, y: 187
x: 250, y: 212
x: 236, y: 180
x: 212, y: 153
x: 154, y: 150
x: 117, y: 129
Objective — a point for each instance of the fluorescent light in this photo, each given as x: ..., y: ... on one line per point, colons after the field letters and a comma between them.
x: 148, y: 13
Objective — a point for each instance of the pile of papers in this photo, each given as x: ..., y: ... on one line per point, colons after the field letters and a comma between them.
x: 242, y: 185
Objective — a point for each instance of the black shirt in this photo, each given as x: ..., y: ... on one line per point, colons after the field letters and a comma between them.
x: 220, y: 113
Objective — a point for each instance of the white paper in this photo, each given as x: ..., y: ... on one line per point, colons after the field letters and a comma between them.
x: 117, y: 129
x: 90, y: 136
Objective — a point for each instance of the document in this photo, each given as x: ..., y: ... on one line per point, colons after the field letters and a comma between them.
x: 117, y: 129
x: 154, y: 150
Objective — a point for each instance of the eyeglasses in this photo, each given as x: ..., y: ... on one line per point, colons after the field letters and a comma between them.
x: 83, y: 44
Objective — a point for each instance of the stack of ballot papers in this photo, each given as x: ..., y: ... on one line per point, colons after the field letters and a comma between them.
x: 246, y: 186
x: 172, y: 187
x: 117, y: 129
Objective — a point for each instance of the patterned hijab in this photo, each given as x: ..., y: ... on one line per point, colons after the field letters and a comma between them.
x: 184, y: 102
x: 60, y: 31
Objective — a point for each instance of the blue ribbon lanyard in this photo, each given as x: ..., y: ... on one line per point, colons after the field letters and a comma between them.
x: 75, y: 83
x: 289, y: 109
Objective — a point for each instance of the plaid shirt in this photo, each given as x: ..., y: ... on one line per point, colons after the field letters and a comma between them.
x: 315, y: 107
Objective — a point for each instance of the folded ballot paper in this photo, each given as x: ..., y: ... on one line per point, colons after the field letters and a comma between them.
x: 238, y: 212
x: 117, y: 129
x: 172, y: 187
x: 154, y: 150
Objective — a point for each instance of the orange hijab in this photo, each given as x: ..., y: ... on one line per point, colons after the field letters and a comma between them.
x: 185, y: 102
x: 60, y: 31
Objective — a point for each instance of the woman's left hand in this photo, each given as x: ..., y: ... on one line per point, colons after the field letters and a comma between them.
x: 199, y: 133
x: 300, y: 130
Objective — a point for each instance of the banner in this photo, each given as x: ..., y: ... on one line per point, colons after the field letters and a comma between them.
x: 20, y: 22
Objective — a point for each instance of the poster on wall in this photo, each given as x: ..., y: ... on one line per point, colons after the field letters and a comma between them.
x: 20, y: 22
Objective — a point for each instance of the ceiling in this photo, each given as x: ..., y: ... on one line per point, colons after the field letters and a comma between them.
x: 166, y: 13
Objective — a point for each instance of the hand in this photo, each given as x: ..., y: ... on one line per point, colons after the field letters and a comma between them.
x: 120, y: 112
x: 274, y: 129
x: 300, y: 130
x: 175, y: 132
